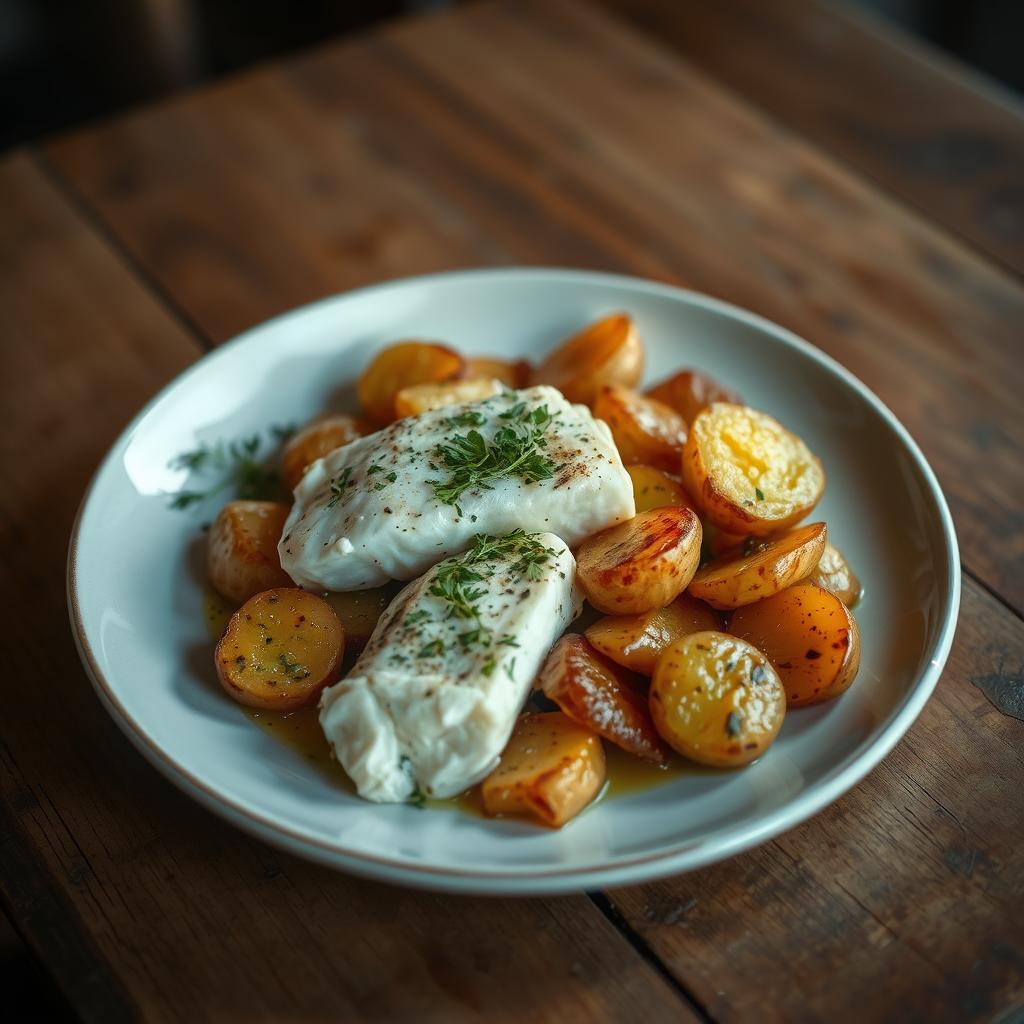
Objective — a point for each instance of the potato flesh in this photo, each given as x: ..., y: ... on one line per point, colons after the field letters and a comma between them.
x: 748, y: 474
x: 241, y: 549
x: 400, y: 366
x: 321, y: 437
x: 653, y: 488
x: 550, y: 769
x: 717, y: 700
x: 833, y: 573
x: 637, y: 641
x: 644, y: 430
x: 513, y: 375
x: 281, y: 648
x: 608, y: 351
x: 641, y: 564
x: 810, y: 637
x: 601, y: 696
x: 738, y: 579
x: 359, y: 611
x: 419, y: 398
x: 690, y: 391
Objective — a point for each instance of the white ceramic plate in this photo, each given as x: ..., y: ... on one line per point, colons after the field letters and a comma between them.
x: 137, y: 599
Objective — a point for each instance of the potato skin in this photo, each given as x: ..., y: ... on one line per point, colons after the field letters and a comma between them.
x: 717, y: 700
x: 644, y: 429
x: 756, y: 571
x: 359, y: 611
x: 833, y: 573
x: 756, y: 495
x: 637, y: 641
x: 417, y: 398
x: 810, y: 637
x: 690, y: 391
x: 608, y: 351
x: 653, y: 488
x: 550, y: 769
x: 512, y: 375
x: 400, y: 366
x: 601, y: 696
x: 241, y: 549
x: 316, y: 440
x: 641, y: 564
x: 281, y: 648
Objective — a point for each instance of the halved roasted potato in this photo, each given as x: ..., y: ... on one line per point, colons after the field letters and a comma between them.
x: 359, y: 611
x: 643, y: 563
x: 759, y: 569
x: 281, y: 648
x: 241, y: 549
x: 419, y: 398
x: 551, y: 769
x: 595, y: 692
x: 608, y: 351
x: 833, y: 572
x: 313, y: 442
x: 810, y: 637
x: 653, y: 488
x: 637, y: 641
x: 690, y: 391
x: 512, y: 375
x: 747, y: 473
x: 644, y: 429
x: 400, y: 366
x: 717, y: 700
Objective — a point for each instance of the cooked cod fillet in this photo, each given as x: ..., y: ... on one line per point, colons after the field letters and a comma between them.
x: 390, y: 505
x: 430, y: 704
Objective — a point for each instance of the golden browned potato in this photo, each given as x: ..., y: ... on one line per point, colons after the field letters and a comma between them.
x: 637, y: 641
x: 643, y: 563
x: 358, y: 611
x: 758, y: 569
x: 644, y: 429
x: 595, y: 692
x: 833, y: 573
x: 551, y: 769
x: 241, y: 549
x: 512, y: 375
x: 747, y: 473
x: 281, y: 648
x: 654, y: 489
x: 811, y: 638
x: 606, y: 352
x: 321, y: 437
x: 718, y: 542
x: 689, y: 391
x: 400, y: 366
x: 419, y: 398
x: 717, y: 700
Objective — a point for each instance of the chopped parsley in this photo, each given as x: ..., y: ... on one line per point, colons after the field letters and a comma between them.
x: 338, y: 485
x: 759, y: 494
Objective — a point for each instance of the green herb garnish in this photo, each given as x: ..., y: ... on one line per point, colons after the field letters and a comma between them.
x: 759, y: 494
x: 338, y: 485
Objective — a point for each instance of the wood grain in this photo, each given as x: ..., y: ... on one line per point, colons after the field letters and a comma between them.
x: 921, y: 126
x: 140, y: 902
x: 546, y: 133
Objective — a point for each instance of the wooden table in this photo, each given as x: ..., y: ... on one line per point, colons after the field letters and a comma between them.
x: 799, y: 163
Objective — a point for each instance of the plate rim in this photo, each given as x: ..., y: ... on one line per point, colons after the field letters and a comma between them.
x: 631, y: 869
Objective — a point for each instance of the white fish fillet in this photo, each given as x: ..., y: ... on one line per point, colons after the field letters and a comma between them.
x: 423, y: 709
x: 383, y: 519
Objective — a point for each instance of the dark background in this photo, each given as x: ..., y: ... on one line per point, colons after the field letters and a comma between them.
x: 63, y: 62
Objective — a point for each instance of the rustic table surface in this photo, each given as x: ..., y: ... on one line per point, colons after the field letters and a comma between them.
x: 783, y: 156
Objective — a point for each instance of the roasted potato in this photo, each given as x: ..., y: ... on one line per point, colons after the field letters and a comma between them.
x: 637, y: 641
x: 602, y: 696
x: 654, y: 489
x: 758, y: 569
x: 512, y: 375
x: 321, y: 437
x: 833, y: 573
x: 281, y: 648
x: 241, y: 549
x: 810, y: 637
x: 717, y: 700
x: 419, y: 398
x: 358, y: 611
x: 644, y: 429
x: 641, y: 564
x: 689, y: 391
x: 551, y: 769
x: 400, y: 366
x: 718, y: 543
x: 747, y: 473
x: 606, y: 352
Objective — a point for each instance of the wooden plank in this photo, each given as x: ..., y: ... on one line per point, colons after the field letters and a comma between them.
x: 902, y: 901
x: 546, y: 133
x: 139, y: 901
x: 922, y: 126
